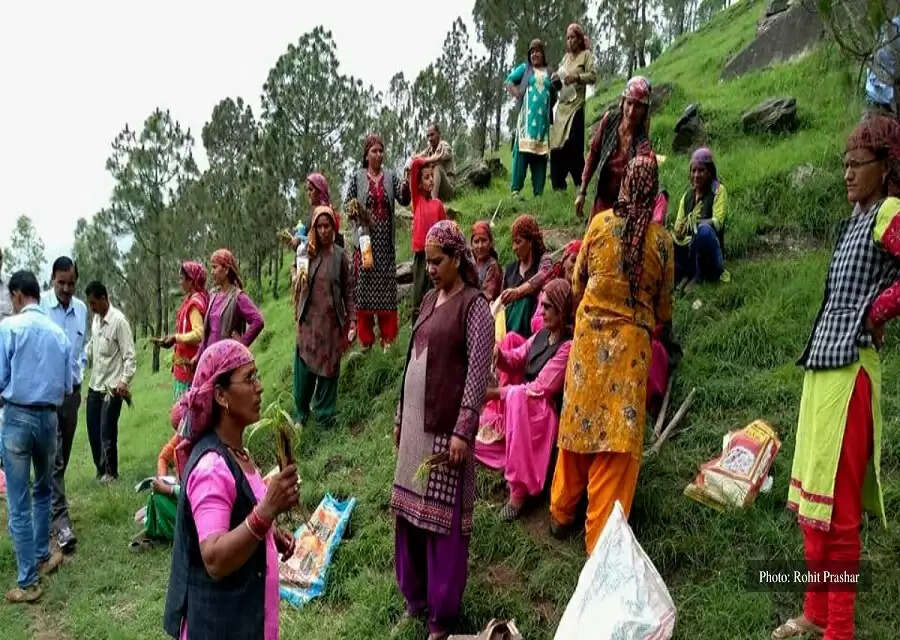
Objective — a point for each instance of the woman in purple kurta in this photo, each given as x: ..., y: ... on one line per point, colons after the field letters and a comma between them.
x: 231, y: 312
x: 519, y: 433
x: 443, y: 391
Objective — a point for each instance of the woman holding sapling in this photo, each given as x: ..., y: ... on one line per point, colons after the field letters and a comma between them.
x: 837, y: 456
x: 443, y: 390
x: 224, y: 577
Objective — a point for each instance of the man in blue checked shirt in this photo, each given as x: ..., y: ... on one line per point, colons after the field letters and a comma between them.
x: 35, y: 376
x: 70, y: 314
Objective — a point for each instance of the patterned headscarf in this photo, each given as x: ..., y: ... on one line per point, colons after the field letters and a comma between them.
x: 447, y: 235
x: 638, y: 89
x: 703, y: 156
x: 570, y: 249
x: 880, y: 134
x: 526, y: 227
x: 318, y: 212
x: 371, y: 140
x: 196, y: 274
x: 224, y: 258
x: 192, y: 414
x: 635, y: 204
x: 320, y: 184
x: 558, y: 292
x: 579, y: 31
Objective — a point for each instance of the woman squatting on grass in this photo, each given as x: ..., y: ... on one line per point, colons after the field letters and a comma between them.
x: 443, y: 390
x: 836, y: 470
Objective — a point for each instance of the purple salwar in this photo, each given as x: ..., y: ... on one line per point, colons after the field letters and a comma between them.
x: 432, y: 570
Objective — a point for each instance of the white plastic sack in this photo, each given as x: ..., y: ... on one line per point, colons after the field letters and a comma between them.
x: 620, y: 595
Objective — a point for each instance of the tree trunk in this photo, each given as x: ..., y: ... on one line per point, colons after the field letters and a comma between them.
x: 277, y: 259
x: 159, y: 308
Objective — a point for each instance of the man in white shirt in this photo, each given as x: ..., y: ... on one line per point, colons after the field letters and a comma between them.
x: 111, y: 350
x: 69, y: 314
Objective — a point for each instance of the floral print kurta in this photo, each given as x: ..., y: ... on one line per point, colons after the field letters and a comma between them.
x: 533, y: 124
x: 606, y: 378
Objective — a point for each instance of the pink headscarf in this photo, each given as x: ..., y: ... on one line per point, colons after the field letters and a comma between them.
x: 192, y: 414
x: 579, y: 31
x: 225, y: 258
x: 320, y: 184
x: 638, y: 89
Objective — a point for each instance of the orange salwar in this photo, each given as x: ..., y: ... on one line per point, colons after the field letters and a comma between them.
x: 606, y: 476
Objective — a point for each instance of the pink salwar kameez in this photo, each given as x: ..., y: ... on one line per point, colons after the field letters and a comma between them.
x: 519, y: 430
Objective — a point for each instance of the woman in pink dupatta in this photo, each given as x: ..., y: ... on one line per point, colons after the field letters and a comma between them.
x: 518, y: 431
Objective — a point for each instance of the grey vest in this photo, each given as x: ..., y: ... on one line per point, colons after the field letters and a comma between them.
x: 859, y: 271
x: 362, y: 196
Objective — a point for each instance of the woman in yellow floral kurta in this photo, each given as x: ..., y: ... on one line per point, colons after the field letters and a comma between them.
x: 624, y: 276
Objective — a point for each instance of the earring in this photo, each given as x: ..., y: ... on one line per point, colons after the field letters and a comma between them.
x: 227, y: 408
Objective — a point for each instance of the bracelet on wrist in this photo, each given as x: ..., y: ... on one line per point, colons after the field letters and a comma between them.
x: 253, y: 533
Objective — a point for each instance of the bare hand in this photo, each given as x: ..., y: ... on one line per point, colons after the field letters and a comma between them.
x: 351, y: 335
x: 235, y: 336
x: 877, y: 333
x: 284, y: 544
x: 509, y: 295
x: 168, y: 342
x: 579, y: 205
x: 159, y: 486
x: 459, y: 451
x: 282, y: 494
x: 571, y: 79
x: 397, y: 437
x: 121, y: 389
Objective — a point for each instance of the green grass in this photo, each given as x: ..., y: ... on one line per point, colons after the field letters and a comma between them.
x: 740, y: 347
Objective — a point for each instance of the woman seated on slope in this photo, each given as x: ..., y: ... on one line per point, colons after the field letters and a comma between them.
x: 525, y: 276
x: 518, y: 427
x: 699, y: 231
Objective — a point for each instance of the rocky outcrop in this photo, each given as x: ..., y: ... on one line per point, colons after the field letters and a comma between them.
x: 690, y: 132
x: 775, y: 115
x: 790, y: 31
x: 481, y: 173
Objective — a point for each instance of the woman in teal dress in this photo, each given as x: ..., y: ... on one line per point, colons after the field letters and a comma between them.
x: 530, y: 84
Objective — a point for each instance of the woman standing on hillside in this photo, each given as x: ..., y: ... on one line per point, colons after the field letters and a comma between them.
x: 231, y: 312
x: 837, y: 456
x: 188, y: 334
x: 224, y: 577
x: 623, y: 133
x: 326, y: 322
x: 490, y: 274
x: 443, y: 391
x: 699, y: 231
x: 575, y: 72
x: 625, y: 271
x: 525, y: 276
x: 530, y: 84
x: 370, y: 202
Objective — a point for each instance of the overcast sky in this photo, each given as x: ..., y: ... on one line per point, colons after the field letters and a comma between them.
x: 74, y: 73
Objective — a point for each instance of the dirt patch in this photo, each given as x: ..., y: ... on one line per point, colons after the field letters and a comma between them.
x: 546, y: 611
x: 500, y: 575
x: 783, y: 244
x: 45, y: 626
x: 558, y: 238
x: 357, y: 428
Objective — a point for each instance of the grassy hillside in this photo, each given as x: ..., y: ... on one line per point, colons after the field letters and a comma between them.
x: 739, y: 351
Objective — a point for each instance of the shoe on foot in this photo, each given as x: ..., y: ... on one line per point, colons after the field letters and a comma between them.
x: 510, y: 511
x: 107, y: 479
x: 66, y: 539
x: 51, y: 564
x: 795, y: 627
x: 31, y: 593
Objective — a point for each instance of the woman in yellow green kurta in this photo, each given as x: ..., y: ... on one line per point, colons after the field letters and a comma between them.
x: 836, y: 466
x: 530, y: 83
x: 624, y: 272
x: 575, y: 73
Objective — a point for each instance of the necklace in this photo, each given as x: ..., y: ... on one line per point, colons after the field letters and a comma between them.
x: 241, y: 454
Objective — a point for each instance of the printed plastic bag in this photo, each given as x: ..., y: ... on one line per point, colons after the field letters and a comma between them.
x: 620, y: 595
x: 734, y: 478
x: 303, y: 575
x: 498, y: 310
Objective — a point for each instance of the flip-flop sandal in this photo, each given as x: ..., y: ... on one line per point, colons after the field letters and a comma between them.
x: 794, y: 628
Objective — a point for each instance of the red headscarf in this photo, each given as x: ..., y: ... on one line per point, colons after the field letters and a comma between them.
x: 526, y: 227
x: 635, y: 204
x: 880, y: 134
x: 482, y: 228
x: 224, y: 258
x: 570, y: 249
x: 192, y: 414
x: 318, y: 212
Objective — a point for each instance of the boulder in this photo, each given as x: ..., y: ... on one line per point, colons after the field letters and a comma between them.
x: 774, y: 115
x: 496, y: 167
x: 773, y: 11
x: 405, y: 272
x: 480, y: 176
x: 782, y: 36
x: 689, y: 130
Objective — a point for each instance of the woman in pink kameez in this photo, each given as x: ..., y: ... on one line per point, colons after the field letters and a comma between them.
x: 518, y: 431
